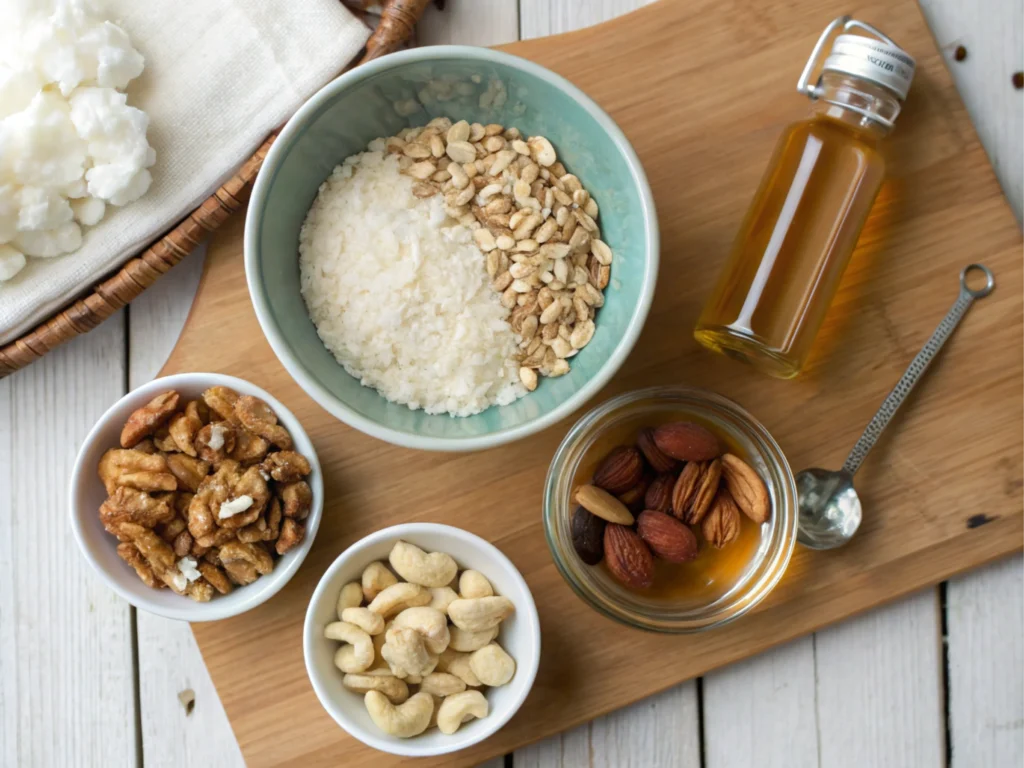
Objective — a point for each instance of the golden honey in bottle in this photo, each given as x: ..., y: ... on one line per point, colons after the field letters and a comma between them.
x: 803, y: 224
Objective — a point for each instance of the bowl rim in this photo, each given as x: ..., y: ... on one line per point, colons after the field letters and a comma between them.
x: 253, y: 594
x: 408, y: 747
x: 321, y: 394
x: 787, y: 536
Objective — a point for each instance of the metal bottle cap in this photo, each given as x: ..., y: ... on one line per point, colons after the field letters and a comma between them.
x: 881, y: 62
x: 876, y: 58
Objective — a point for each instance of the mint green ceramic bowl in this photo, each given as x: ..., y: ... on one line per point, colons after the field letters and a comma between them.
x: 381, y: 98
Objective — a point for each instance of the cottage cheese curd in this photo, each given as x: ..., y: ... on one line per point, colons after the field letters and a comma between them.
x: 69, y: 143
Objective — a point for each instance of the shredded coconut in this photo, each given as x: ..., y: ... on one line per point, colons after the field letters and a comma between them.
x: 399, y: 293
x: 232, y: 507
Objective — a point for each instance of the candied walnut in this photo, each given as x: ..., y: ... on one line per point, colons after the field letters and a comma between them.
x: 286, y: 466
x: 201, y: 591
x: 251, y: 486
x: 182, y: 543
x: 199, y: 550
x: 201, y: 520
x: 127, y: 505
x: 134, y: 469
x: 184, y: 426
x: 217, y: 538
x: 215, y: 442
x: 188, y: 471
x: 267, y: 527
x: 241, y: 572
x: 221, y: 400
x: 274, y: 517
x: 226, y: 484
x: 249, y: 448
x: 257, y: 417
x: 158, y: 555
x: 254, y: 554
x: 216, y: 577
x: 145, y: 446
x: 145, y: 420
x: 253, y: 532
x: 182, y: 500
x: 297, y: 499
x: 169, y: 531
x: 127, y: 552
x: 162, y: 440
x: 211, y: 556
x: 292, y: 534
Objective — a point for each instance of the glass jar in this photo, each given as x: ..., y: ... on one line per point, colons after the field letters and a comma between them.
x: 802, y: 227
x: 727, y: 592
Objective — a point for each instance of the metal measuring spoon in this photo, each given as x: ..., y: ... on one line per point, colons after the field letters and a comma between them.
x: 829, y: 509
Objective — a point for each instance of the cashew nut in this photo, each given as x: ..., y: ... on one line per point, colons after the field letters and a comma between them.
x: 430, y: 623
x: 441, y: 598
x: 371, y: 623
x: 492, y: 665
x: 433, y: 718
x: 351, y: 596
x: 397, y: 598
x: 442, y: 684
x: 376, y: 577
x: 457, y: 664
x: 396, y: 690
x: 479, y: 613
x: 459, y: 708
x: 466, y: 642
x: 474, y: 584
x: 402, y: 720
x: 378, y: 644
x: 357, y: 656
x: 434, y: 569
x: 406, y: 653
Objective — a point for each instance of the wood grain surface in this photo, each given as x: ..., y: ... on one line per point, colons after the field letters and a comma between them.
x: 72, y: 702
x: 941, y: 209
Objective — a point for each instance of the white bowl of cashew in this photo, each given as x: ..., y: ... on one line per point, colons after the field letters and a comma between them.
x: 519, y: 635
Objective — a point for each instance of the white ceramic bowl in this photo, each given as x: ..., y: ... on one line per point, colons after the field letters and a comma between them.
x: 520, y: 636
x: 100, y: 548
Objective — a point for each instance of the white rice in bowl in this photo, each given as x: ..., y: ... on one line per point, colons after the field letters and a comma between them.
x: 399, y: 293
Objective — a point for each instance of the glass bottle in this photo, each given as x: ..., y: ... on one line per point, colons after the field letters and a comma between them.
x: 802, y: 226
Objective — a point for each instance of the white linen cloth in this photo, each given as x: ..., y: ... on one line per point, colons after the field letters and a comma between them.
x: 220, y: 76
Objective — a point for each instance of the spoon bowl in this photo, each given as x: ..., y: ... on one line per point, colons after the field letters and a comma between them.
x: 828, y: 510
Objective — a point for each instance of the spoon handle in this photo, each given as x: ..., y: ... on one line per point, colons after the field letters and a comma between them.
x: 919, y: 365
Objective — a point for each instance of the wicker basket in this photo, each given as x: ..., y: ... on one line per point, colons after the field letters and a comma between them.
x: 397, y: 23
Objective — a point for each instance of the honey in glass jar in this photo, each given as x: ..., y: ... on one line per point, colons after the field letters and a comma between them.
x: 802, y: 226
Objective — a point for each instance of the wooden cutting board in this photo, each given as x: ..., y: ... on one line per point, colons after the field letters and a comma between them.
x: 702, y: 89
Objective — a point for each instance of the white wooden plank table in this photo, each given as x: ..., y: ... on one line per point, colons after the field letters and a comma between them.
x: 935, y: 679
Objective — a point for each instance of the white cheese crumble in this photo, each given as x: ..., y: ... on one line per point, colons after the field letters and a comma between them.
x: 399, y: 293
x: 69, y: 143
x: 187, y: 567
x: 232, y: 507
x: 216, y: 437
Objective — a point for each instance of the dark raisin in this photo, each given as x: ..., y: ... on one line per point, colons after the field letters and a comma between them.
x: 588, y: 536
